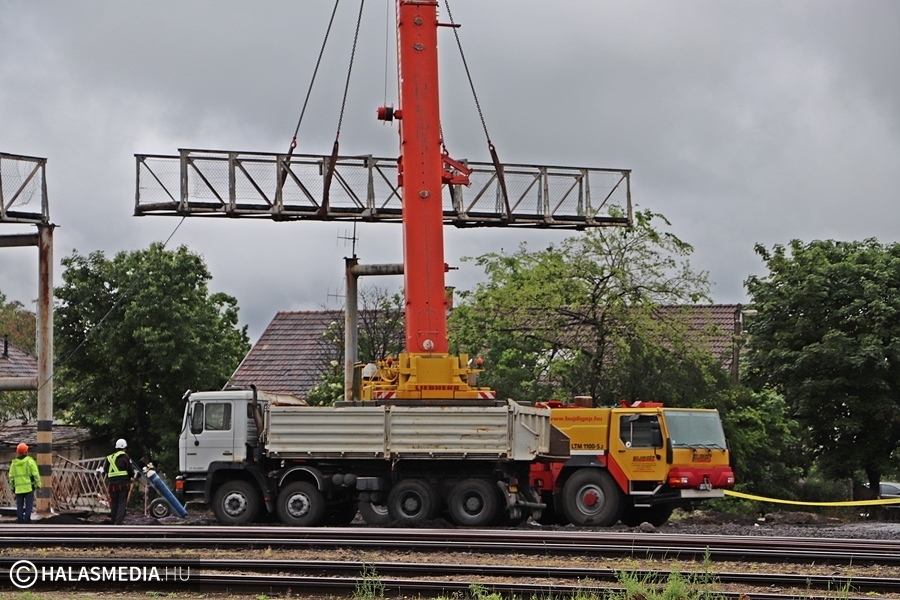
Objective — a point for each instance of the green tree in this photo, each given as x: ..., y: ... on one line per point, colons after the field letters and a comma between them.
x: 827, y: 338
x: 586, y: 317
x: 382, y: 329
x: 381, y: 333
x: 19, y: 326
x: 18, y: 323
x: 765, y: 442
x: 132, y: 334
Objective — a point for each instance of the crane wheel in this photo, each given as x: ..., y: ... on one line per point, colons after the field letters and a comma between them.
x: 591, y: 497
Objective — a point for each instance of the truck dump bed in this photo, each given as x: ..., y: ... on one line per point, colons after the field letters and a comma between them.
x: 512, y: 432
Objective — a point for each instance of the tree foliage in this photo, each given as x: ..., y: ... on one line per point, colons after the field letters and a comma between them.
x: 381, y: 325
x: 380, y: 334
x: 18, y: 323
x: 827, y: 337
x: 587, y: 317
x: 764, y: 441
x: 132, y: 334
x: 19, y: 326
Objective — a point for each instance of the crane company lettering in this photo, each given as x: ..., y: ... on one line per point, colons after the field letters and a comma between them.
x: 564, y: 418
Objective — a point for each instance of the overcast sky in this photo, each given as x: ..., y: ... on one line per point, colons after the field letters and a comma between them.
x: 743, y: 122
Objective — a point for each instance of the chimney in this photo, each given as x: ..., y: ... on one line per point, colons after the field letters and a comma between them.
x: 5, y: 346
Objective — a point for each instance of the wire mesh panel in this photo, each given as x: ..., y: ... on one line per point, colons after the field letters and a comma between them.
x: 282, y: 187
x: 7, y: 497
x: 23, y: 189
x: 75, y: 485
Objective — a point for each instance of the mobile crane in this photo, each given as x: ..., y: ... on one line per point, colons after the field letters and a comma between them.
x: 422, y: 430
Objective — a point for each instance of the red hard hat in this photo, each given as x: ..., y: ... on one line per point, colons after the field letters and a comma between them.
x: 22, y: 448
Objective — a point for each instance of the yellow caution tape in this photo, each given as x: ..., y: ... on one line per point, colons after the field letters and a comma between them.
x: 778, y: 501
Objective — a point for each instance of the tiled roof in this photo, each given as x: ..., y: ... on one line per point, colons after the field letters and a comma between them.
x: 291, y: 354
x: 14, y: 432
x: 16, y: 363
x: 712, y: 325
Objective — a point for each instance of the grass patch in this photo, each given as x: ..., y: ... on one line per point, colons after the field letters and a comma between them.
x: 369, y: 586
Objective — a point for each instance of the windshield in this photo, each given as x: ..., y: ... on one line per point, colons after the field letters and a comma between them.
x: 695, y: 429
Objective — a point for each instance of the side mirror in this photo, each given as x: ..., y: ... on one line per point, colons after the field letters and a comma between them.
x: 195, y: 429
x: 655, y: 435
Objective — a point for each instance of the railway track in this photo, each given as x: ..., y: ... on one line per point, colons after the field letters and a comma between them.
x: 395, y: 578
x: 597, y: 543
x: 168, y: 548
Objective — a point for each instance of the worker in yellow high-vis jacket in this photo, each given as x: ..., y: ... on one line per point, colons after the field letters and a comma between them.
x: 118, y: 480
x: 24, y: 478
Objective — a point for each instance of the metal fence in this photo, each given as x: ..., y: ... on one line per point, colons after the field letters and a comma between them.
x: 76, y: 485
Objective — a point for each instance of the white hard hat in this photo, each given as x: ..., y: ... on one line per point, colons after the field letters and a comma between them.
x: 121, y: 444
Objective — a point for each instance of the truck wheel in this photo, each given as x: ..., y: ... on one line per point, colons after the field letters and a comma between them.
x: 412, y: 500
x: 655, y: 515
x: 473, y: 503
x: 236, y: 503
x: 591, y: 497
x: 159, y: 508
x: 301, y: 504
x: 374, y: 514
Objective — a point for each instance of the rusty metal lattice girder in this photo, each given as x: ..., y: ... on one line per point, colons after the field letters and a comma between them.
x: 279, y: 187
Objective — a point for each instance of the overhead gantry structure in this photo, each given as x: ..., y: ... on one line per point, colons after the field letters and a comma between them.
x: 23, y: 201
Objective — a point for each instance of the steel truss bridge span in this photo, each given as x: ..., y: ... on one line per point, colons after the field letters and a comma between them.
x: 316, y: 187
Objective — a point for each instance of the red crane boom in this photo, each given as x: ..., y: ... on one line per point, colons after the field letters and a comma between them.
x: 420, y: 171
x: 425, y: 371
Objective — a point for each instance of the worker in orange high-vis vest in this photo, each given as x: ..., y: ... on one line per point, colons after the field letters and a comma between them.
x: 24, y: 478
x: 118, y: 481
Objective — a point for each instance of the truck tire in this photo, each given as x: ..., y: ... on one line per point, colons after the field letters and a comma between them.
x: 591, y: 497
x: 655, y: 515
x: 159, y: 508
x: 473, y: 503
x: 412, y: 501
x: 301, y: 504
x: 236, y: 503
x: 374, y: 514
